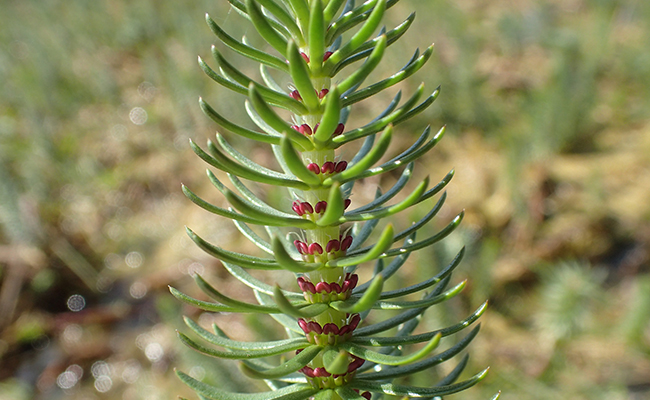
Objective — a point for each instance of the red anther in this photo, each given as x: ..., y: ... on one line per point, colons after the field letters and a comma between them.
x: 303, y: 325
x: 344, y: 329
x: 307, y: 371
x: 346, y: 203
x: 356, y: 364
x: 301, y: 247
x: 339, y: 129
x: 320, y: 207
x: 333, y: 245
x: 341, y: 166
x: 310, y: 287
x: 320, y: 371
x: 327, y: 168
x: 345, y: 243
x: 354, y: 322
x: 313, y: 167
x: 296, y: 207
x: 330, y: 328
x: 314, y: 327
x: 327, y: 55
x: 295, y: 128
x: 316, y: 127
x: 306, y: 207
x: 353, y: 279
x: 323, y: 287
x: 305, y: 56
x: 315, y: 248
x: 335, y: 287
x: 323, y: 93
x: 366, y: 395
x: 296, y: 95
x: 305, y: 129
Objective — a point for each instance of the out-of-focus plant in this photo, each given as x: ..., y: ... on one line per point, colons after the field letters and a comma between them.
x: 335, y: 355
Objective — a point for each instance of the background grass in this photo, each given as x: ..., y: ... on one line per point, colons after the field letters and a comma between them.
x: 546, y: 104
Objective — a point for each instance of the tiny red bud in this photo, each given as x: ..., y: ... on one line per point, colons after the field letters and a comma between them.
x: 346, y: 204
x: 295, y: 128
x: 327, y: 55
x: 296, y: 207
x: 296, y: 95
x: 354, y: 322
x: 313, y: 167
x: 315, y: 248
x: 320, y: 207
x: 323, y: 287
x: 345, y: 243
x: 321, y: 371
x: 314, y: 327
x: 305, y: 56
x: 305, y: 129
x: 303, y: 325
x: 301, y: 246
x: 306, y: 207
x: 316, y: 127
x: 341, y: 166
x: 339, y: 129
x: 333, y: 245
x: 366, y: 395
x: 327, y: 168
x: 331, y: 328
x: 323, y: 93
x: 354, y: 279
x: 335, y: 287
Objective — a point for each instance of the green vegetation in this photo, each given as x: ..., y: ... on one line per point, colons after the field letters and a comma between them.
x: 546, y: 105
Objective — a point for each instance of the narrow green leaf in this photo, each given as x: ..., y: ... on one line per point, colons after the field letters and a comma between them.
x: 274, y: 120
x: 391, y: 269
x: 284, y: 18
x: 431, y: 240
x: 372, y: 157
x: 276, y: 98
x: 331, y: 9
x: 378, y: 124
x: 496, y: 396
x: 289, y: 309
x: 390, y: 81
x: 236, y: 304
x: 218, y: 210
x: 383, y: 243
x: 290, y: 323
x: 253, y: 283
x: 317, y: 29
x: 454, y: 374
x: 212, y: 74
x: 261, y: 23
x: 413, y: 391
x: 203, y: 305
x: 227, y: 354
x: 366, y: 301
x: 399, y: 318
x: 335, y: 361
x: 294, y: 364
x: 293, y: 392
x: 394, y: 190
x: 365, y: 49
x: 363, y: 34
x: 284, y: 259
x: 403, y: 305
x: 281, y: 346
x: 234, y: 128
x: 391, y: 373
x: 361, y: 339
x: 331, y: 117
x: 301, y: 77
x: 358, y: 76
x: 269, y: 80
x: 335, y: 207
x: 384, y: 212
x: 232, y: 257
x: 385, y: 359
x: 301, y: 11
x: 361, y: 235
x: 296, y: 165
x: 324, y: 394
x: 426, y: 283
x: 250, y: 209
x: 220, y: 161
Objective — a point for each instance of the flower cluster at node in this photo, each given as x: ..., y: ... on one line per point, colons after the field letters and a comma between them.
x: 305, y: 209
x: 306, y: 130
x: 319, y: 377
x: 330, y: 333
x: 313, y: 252
x: 324, y: 292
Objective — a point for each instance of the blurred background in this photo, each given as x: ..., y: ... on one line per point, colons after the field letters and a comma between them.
x: 547, y: 104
